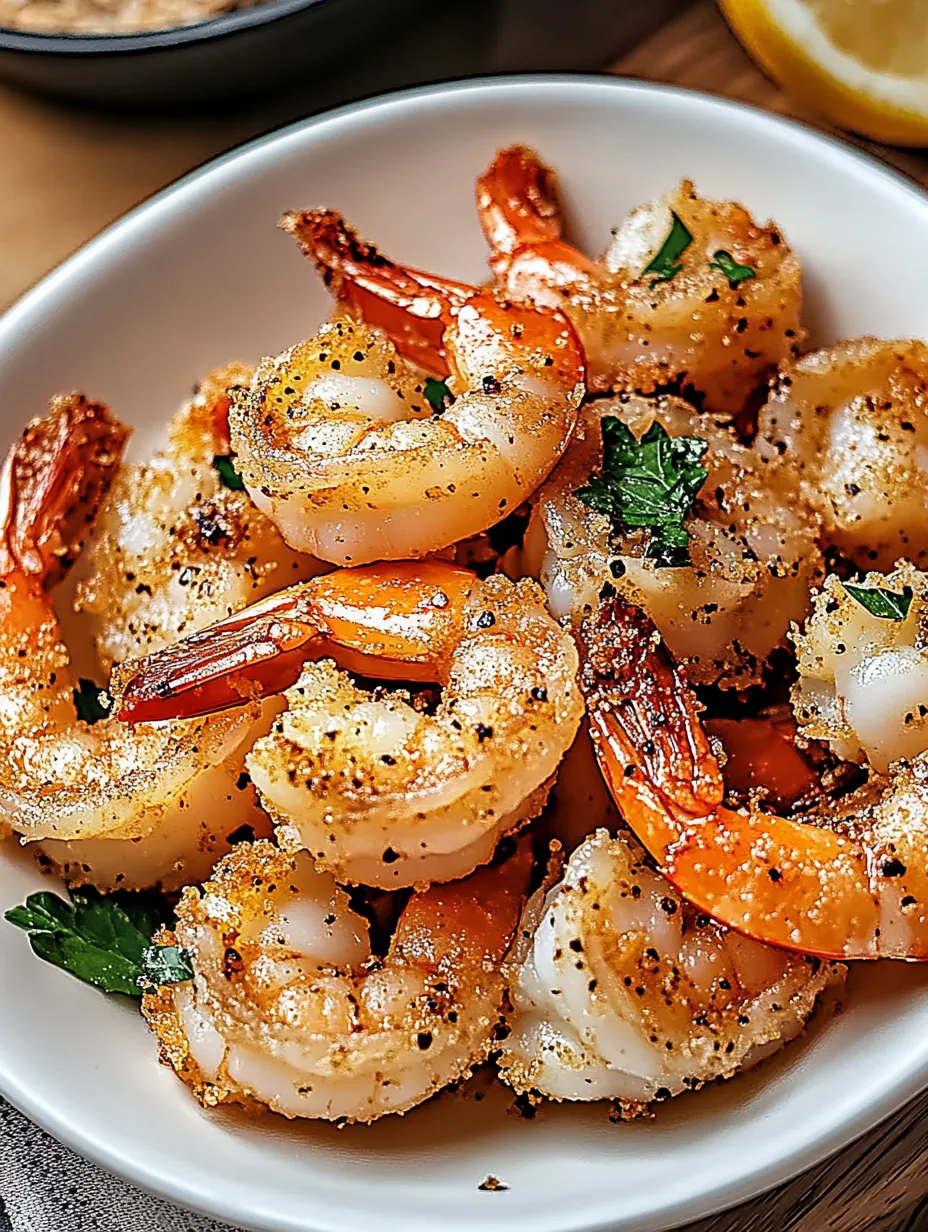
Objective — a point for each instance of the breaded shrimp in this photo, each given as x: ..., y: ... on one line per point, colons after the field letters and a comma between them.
x: 64, y: 778
x: 846, y: 878
x: 290, y: 1009
x: 752, y: 545
x: 690, y: 291
x: 852, y: 421
x: 379, y: 789
x: 863, y: 671
x: 621, y: 990
x: 340, y: 446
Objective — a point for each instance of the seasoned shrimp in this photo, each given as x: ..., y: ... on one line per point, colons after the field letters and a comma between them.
x: 339, y: 445
x: 846, y: 879
x: 753, y: 546
x: 64, y: 778
x: 621, y: 990
x: 289, y: 1008
x: 174, y: 549
x: 379, y: 789
x: 853, y: 420
x: 690, y: 290
x: 863, y: 678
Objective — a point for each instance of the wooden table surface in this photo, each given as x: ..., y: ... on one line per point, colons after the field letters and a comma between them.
x: 67, y: 173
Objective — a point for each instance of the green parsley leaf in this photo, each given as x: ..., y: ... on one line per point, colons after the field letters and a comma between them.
x: 732, y: 270
x: 91, y: 702
x: 227, y: 472
x: 885, y: 604
x: 437, y: 394
x: 103, y: 969
x: 665, y: 262
x: 650, y: 483
x: 165, y: 964
x: 103, y: 939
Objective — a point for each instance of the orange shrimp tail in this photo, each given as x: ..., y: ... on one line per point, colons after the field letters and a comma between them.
x: 256, y: 652
x: 517, y: 202
x: 522, y: 220
x: 784, y: 881
x: 397, y: 621
x: 400, y: 620
x: 486, y: 326
x: 463, y: 923
x: 413, y: 308
x: 654, y: 734
x: 51, y: 484
x: 762, y: 754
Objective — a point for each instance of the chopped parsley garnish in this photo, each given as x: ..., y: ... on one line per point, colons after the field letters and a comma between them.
x: 227, y: 472
x: 732, y: 269
x: 885, y: 604
x: 104, y: 939
x: 91, y: 702
x: 164, y: 964
x: 665, y: 264
x: 650, y: 483
x: 437, y: 394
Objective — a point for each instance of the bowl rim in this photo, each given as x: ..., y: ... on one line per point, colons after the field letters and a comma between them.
x: 260, y: 13
x: 719, y: 1196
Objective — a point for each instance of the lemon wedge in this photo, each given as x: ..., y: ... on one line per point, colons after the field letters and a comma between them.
x: 861, y: 63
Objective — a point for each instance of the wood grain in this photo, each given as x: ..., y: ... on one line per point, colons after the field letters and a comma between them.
x: 880, y: 1184
x: 66, y: 174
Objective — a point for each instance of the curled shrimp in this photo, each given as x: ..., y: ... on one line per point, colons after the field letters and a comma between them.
x: 78, y: 785
x: 173, y: 549
x: 863, y: 677
x: 845, y: 879
x: 852, y: 419
x: 378, y: 788
x: 339, y: 445
x: 752, y: 545
x: 718, y: 317
x: 621, y: 990
x: 289, y: 1008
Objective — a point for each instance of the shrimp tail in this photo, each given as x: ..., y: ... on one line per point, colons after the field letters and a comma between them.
x: 411, y: 307
x: 262, y: 649
x: 644, y: 716
x: 51, y: 484
x: 789, y: 881
x: 460, y: 922
x: 517, y: 203
x: 256, y: 652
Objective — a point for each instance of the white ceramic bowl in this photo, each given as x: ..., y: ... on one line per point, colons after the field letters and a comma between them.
x: 198, y: 276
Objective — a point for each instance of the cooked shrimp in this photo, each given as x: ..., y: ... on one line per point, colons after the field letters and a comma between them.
x: 846, y: 879
x: 621, y: 990
x: 63, y: 778
x: 762, y: 758
x: 339, y: 445
x: 863, y: 679
x: 753, y: 546
x: 718, y: 313
x: 289, y: 1008
x: 173, y: 549
x: 378, y: 789
x: 853, y: 420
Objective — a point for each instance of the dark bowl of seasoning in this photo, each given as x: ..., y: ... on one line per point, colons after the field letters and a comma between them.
x: 278, y: 44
